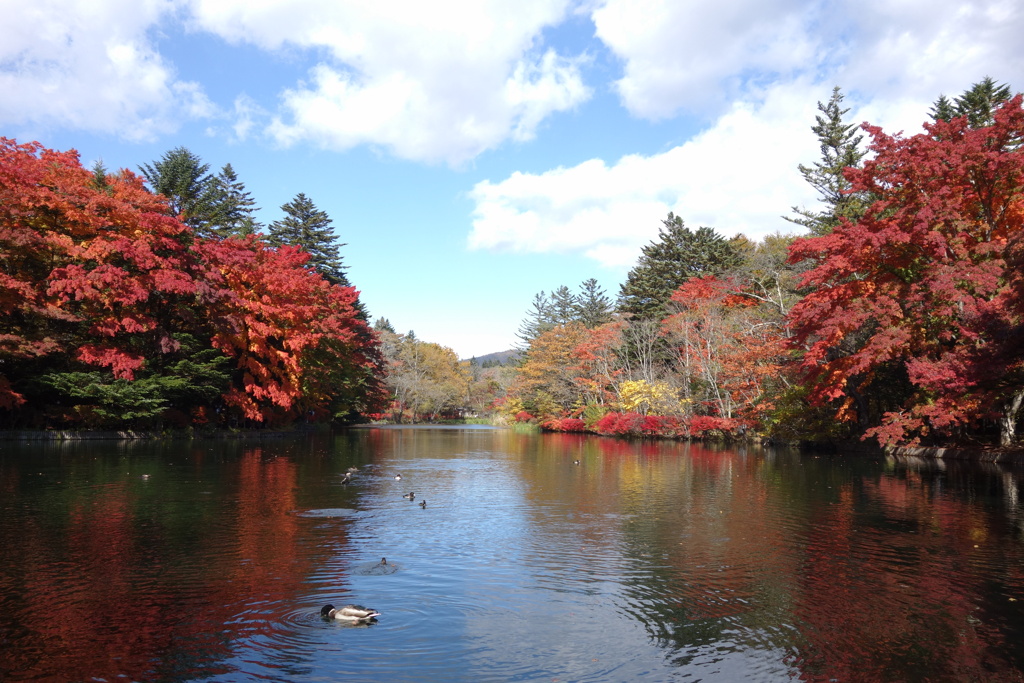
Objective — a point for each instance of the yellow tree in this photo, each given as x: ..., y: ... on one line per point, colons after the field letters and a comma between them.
x: 546, y: 380
x: 425, y: 379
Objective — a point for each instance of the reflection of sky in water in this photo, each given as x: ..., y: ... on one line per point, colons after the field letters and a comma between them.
x: 532, y: 561
x: 648, y: 561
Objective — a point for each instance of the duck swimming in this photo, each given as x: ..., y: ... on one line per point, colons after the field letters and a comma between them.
x: 423, y: 504
x: 398, y: 477
x: 347, y: 478
x: 352, y: 613
x: 410, y: 496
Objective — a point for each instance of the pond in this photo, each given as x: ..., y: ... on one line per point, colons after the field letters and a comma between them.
x: 658, y: 561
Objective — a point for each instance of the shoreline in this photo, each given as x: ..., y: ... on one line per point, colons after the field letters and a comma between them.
x: 1008, y: 456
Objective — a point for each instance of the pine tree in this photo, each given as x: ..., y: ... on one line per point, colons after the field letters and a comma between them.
x: 191, y: 191
x: 943, y: 109
x: 678, y: 255
x: 539, y: 319
x: 840, y: 148
x: 564, y: 306
x: 980, y: 101
x: 384, y: 325
x: 99, y: 177
x: 234, y: 208
x: 595, y: 308
x: 310, y: 228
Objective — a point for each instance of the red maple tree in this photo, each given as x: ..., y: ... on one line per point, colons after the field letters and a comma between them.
x: 917, y: 299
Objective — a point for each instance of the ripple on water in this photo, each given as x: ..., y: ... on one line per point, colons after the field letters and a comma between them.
x: 328, y: 513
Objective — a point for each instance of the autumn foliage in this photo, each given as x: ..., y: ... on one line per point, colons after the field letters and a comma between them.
x: 912, y: 324
x: 903, y: 324
x: 107, y: 300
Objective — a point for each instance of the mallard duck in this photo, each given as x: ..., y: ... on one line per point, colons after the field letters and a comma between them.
x: 410, y: 496
x: 423, y: 504
x: 353, y: 613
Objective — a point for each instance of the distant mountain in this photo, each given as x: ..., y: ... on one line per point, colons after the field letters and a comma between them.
x: 499, y: 358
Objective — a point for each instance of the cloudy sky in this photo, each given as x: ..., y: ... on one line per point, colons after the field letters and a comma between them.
x: 475, y: 152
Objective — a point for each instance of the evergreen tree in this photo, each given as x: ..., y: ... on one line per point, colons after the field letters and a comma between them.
x: 193, y: 194
x: 539, y: 319
x: 980, y: 101
x: 977, y: 103
x: 99, y: 176
x: 310, y: 228
x: 943, y: 109
x: 234, y: 207
x: 594, y: 307
x: 840, y: 148
x: 678, y: 255
x: 564, y: 306
x: 384, y: 325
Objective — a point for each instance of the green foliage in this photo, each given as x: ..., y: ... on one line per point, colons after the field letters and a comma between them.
x: 978, y: 103
x: 308, y: 227
x: 183, y: 178
x: 234, y: 208
x: 539, y: 319
x: 591, y: 307
x: 593, y: 412
x: 678, y: 255
x: 384, y: 325
x: 99, y: 400
x: 840, y: 149
x: 542, y: 405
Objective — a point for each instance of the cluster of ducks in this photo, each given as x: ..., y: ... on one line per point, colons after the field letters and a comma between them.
x: 357, y: 614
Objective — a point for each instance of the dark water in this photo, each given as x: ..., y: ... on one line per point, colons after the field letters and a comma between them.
x: 210, y: 560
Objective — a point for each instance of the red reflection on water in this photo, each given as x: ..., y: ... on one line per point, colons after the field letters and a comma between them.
x: 104, y: 601
x: 876, y: 604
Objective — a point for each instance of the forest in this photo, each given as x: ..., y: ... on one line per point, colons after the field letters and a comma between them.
x: 893, y: 313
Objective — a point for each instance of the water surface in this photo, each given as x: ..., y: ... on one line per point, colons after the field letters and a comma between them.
x: 660, y: 561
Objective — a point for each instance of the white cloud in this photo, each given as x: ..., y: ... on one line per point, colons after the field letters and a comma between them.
x: 425, y: 81
x: 738, y: 176
x: 699, y: 57
x: 89, y: 65
x: 693, y: 56
x: 757, y: 69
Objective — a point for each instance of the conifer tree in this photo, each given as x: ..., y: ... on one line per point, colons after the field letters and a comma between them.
x: 840, y: 148
x: 538, y: 319
x: 564, y: 307
x: 234, y: 208
x: 674, y: 258
x: 306, y: 226
x: 594, y: 306
x: 384, y: 325
x: 191, y: 191
x: 977, y: 103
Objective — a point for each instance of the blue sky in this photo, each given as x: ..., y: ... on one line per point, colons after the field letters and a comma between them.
x: 472, y: 153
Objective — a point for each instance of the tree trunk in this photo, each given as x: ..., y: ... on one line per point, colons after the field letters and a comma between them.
x: 1008, y: 423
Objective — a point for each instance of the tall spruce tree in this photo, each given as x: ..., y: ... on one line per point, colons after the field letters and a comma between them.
x: 978, y: 103
x: 678, y: 255
x: 306, y: 226
x: 539, y: 319
x: 234, y: 208
x: 840, y: 148
x: 192, y: 192
x: 564, y: 307
x: 593, y: 305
